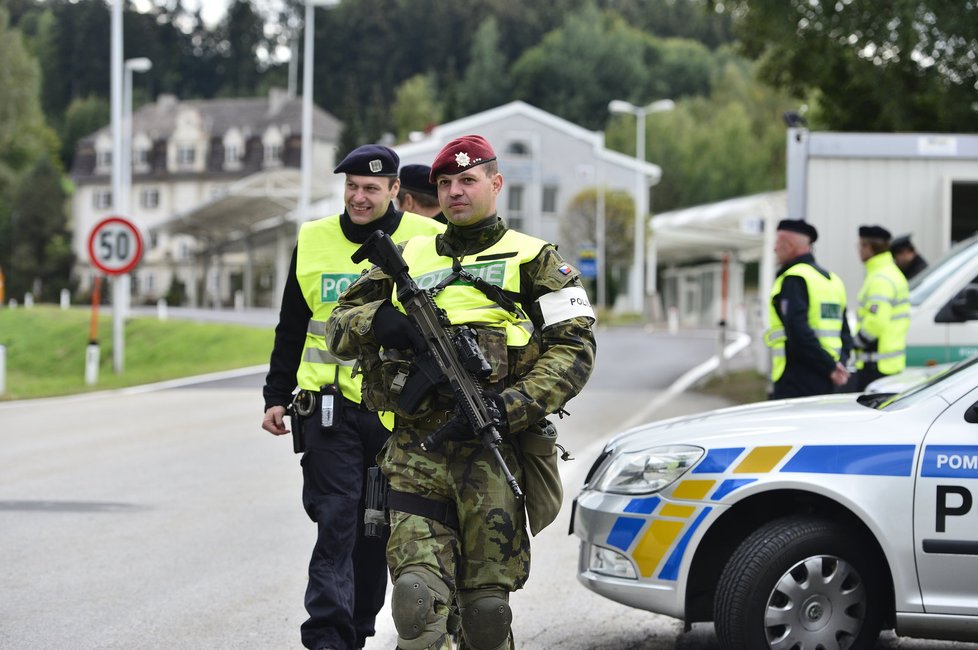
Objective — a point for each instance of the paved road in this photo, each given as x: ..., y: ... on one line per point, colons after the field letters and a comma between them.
x: 165, y: 518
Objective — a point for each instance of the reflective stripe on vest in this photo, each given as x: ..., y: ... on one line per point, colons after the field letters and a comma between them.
x: 826, y: 303
x: 324, y: 270
x: 886, y: 286
x: 498, y: 265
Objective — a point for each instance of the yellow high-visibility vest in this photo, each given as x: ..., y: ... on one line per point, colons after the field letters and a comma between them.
x: 324, y: 270
x: 884, y: 315
x: 498, y: 265
x: 826, y: 309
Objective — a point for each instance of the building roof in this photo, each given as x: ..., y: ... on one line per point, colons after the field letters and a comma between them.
x: 443, y: 133
x: 251, y: 115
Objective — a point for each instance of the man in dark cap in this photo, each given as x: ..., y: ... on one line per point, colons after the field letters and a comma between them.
x: 348, y: 571
x: 418, y: 194
x: 458, y: 532
x: 808, y: 335
x: 884, y: 310
x: 906, y: 257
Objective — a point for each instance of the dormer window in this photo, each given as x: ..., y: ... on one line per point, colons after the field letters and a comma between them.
x: 186, y: 155
x: 232, y: 154
x: 518, y: 148
x: 273, y: 154
x: 103, y: 159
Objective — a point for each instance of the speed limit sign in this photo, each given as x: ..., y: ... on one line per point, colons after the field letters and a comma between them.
x: 115, y: 246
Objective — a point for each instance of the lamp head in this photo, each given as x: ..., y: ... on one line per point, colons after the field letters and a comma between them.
x: 140, y: 64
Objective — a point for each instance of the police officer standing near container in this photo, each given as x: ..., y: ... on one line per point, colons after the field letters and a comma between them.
x: 906, y: 256
x: 458, y: 532
x: 347, y: 571
x: 808, y: 336
x: 418, y: 194
x: 884, y: 310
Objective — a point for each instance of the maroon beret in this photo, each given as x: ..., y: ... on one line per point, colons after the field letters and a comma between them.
x: 461, y: 154
x: 800, y: 226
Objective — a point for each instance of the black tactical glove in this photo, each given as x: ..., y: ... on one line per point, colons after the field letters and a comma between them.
x: 496, y: 406
x: 459, y: 428
x: 394, y: 330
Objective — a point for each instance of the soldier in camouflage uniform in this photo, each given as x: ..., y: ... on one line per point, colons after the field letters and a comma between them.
x: 458, y: 533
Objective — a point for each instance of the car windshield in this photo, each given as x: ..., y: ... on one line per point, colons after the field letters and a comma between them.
x: 929, y: 387
x: 934, y: 275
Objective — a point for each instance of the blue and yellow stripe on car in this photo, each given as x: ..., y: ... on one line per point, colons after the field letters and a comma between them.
x: 656, y: 533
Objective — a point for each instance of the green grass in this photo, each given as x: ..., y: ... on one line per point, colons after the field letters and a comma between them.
x: 46, y: 350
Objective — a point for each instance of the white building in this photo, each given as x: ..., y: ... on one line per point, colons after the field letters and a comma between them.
x: 924, y: 184
x: 545, y: 161
x: 187, y: 155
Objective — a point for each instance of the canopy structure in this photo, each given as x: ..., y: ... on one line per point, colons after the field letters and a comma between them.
x: 253, y: 205
x: 708, y: 231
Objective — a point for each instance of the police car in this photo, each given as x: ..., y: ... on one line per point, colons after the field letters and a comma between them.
x: 805, y: 523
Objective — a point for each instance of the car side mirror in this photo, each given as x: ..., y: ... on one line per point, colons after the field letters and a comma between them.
x: 962, y: 307
x: 971, y: 414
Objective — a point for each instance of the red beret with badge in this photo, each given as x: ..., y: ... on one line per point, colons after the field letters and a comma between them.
x: 461, y: 154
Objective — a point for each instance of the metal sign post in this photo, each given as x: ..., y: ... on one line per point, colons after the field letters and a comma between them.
x: 115, y: 248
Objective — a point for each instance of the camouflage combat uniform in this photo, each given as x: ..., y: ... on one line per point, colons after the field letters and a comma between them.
x: 491, y: 547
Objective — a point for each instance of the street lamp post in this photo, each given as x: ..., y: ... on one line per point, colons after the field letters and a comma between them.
x: 641, y: 191
x: 307, y: 64
x: 141, y: 64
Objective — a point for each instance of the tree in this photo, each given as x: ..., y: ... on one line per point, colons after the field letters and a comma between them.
x: 83, y: 116
x: 610, y: 59
x: 486, y: 82
x: 416, y: 106
x: 240, y: 36
x: 42, y: 256
x: 910, y: 66
x: 24, y: 136
x: 579, y: 227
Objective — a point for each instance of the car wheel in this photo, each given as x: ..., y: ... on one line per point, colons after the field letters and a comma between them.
x: 800, y: 583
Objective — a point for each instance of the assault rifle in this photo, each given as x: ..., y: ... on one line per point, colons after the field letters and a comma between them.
x: 458, y: 359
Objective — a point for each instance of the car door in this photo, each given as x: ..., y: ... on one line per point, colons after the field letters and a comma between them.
x: 946, y: 511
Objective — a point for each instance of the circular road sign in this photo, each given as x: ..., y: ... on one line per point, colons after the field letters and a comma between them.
x: 115, y: 246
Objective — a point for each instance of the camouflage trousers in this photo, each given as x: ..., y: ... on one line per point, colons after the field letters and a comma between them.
x: 491, y: 547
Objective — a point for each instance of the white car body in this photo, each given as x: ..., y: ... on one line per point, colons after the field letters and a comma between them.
x: 903, y: 479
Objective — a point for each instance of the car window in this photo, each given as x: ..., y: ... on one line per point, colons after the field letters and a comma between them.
x: 934, y: 275
x: 934, y: 385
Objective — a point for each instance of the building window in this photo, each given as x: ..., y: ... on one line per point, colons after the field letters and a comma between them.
x: 149, y: 198
x: 515, y: 201
x: 273, y: 154
x: 518, y: 148
x: 142, y: 158
x: 550, y: 199
x: 103, y: 158
x: 186, y: 156
x: 102, y: 199
x: 232, y: 154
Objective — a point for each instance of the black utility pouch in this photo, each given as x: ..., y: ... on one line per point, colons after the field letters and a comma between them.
x: 331, y: 408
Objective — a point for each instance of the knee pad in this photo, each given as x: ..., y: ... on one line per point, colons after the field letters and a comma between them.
x: 486, y: 618
x: 419, y: 607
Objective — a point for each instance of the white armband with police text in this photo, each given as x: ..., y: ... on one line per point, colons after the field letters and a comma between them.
x: 565, y: 304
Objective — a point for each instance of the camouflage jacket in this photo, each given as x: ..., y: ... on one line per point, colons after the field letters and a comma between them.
x: 543, y: 375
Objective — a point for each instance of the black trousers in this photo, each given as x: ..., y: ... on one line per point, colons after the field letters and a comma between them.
x: 347, y: 571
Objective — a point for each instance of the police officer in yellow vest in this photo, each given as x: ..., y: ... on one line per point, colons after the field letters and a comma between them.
x: 347, y: 572
x: 884, y: 310
x: 809, y: 336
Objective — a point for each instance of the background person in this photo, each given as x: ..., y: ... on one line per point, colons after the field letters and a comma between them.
x: 418, y: 194
x: 909, y: 261
x: 808, y: 336
x: 347, y: 571
x: 884, y: 310
x: 458, y: 532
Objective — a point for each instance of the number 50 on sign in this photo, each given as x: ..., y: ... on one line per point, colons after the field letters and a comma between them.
x: 115, y: 246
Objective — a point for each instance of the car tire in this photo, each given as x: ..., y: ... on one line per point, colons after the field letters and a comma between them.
x: 800, y: 583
